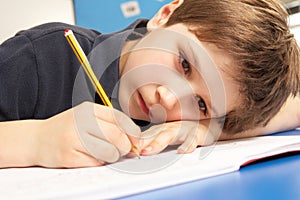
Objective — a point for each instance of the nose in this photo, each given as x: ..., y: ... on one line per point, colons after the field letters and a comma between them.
x: 166, y: 97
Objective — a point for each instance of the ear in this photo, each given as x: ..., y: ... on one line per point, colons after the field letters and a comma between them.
x: 163, y: 15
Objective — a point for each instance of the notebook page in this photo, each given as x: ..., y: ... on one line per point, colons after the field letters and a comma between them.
x: 131, y: 176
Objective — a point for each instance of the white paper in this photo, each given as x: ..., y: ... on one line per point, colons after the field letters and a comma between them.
x: 132, y: 176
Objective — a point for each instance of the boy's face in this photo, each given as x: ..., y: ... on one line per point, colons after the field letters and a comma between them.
x: 170, y: 75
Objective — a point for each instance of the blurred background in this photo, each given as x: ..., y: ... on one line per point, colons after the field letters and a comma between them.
x: 103, y: 15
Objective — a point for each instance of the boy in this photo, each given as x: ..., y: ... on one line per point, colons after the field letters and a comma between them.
x: 197, y: 65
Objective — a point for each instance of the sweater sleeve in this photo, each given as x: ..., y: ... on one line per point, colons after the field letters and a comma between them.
x: 18, y: 79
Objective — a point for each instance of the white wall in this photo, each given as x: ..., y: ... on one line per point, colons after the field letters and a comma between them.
x: 295, y: 23
x: 16, y: 15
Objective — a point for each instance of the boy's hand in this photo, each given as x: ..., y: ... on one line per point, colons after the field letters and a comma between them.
x: 189, y: 134
x: 86, y: 135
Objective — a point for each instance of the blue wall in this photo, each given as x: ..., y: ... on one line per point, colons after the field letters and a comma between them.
x: 112, y: 15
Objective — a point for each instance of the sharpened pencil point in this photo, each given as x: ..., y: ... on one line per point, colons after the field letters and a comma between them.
x: 135, y: 151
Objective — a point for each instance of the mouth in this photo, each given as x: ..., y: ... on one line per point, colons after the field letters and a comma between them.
x: 143, y: 104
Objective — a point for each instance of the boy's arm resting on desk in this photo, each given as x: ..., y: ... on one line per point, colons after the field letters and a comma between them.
x: 204, y: 134
x: 287, y: 118
x: 67, y: 140
x: 17, y: 147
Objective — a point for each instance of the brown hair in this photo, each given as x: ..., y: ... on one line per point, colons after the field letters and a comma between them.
x: 256, y: 34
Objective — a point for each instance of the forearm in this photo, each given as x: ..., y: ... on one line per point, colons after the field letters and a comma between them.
x: 190, y: 134
x: 18, y: 143
x: 288, y: 118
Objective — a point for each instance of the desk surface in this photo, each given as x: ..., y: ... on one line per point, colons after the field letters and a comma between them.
x: 276, y: 178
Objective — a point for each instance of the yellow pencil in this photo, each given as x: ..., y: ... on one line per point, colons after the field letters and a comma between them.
x: 89, y: 71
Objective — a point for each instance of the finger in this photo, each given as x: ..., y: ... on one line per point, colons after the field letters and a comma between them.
x: 162, y: 135
x: 200, y: 135
x: 149, y: 135
x: 99, y: 149
x: 183, y: 128
x: 106, y: 130
x: 136, y: 147
x: 159, y: 143
x: 112, y: 134
x: 88, y: 110
x: 119, y: 118
x: 190, y: 143
x: 126, y: 125
x: 146, y: 138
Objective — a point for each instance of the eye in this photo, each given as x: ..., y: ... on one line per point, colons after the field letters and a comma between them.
x: 184, y: 64
x: 201, y: 104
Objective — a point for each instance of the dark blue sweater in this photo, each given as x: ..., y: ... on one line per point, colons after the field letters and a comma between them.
x: 39, y: 71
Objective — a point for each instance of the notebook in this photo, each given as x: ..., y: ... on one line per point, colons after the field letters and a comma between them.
x: 132, y: 175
